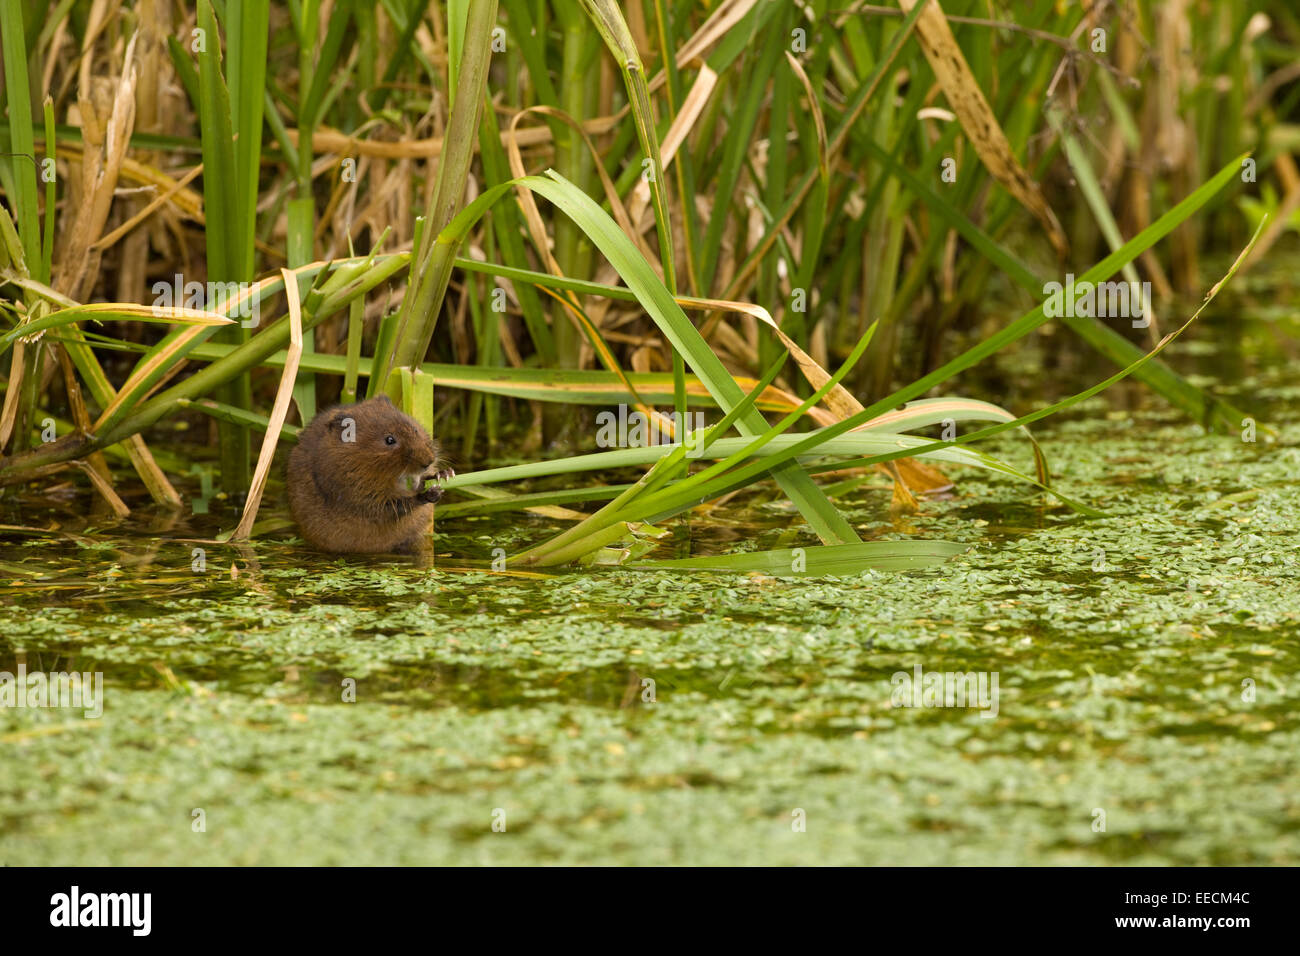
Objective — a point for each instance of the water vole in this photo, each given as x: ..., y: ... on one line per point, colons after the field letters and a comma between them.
x: 356, y: 476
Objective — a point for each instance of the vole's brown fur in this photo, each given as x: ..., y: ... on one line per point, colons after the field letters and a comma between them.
x: 355, y: 479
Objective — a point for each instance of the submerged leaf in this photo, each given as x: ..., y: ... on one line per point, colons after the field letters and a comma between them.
x: 824, y: 559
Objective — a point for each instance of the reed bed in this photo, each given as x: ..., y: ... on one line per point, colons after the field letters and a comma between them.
x: 791, y: 216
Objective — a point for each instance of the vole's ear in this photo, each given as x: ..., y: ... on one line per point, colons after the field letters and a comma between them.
x: 343, y: 425
x: 381, y: 397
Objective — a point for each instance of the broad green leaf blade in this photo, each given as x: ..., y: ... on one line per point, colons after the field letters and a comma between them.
x: 885, y: 447
x: 115, y: 312
x: 821, y: 561
x: 22, y: 160
x: 1194, y: 401
x: 821, y: 515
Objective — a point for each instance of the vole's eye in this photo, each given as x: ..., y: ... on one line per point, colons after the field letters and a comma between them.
x: 390, y: 440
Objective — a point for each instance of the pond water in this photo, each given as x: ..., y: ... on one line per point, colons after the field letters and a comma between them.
x: 1147, y: 669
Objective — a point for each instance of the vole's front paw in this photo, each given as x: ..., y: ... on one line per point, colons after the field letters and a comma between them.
x: 434, y: 492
